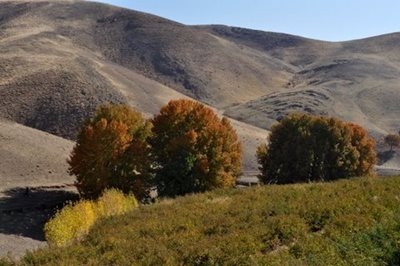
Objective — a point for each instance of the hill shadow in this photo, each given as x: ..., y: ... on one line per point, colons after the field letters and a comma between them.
x: 24, y: 211
x: 385, y: 156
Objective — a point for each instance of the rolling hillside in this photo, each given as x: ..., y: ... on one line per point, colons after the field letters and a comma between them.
x: 60, y: 59
x: 347, y: 222
x: 29, y: 157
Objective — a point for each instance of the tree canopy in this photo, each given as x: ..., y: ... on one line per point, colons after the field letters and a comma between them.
x: 311, y: 148
x: 111, y: 152
x: 194, y: 149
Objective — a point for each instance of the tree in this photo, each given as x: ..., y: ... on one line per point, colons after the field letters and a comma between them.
x: 194, y: 149
x: 392, y: 140
x: 312, y: 148
x: 111, y: 152
x: 365, y: 150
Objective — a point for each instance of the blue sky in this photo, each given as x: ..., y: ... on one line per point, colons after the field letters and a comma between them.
x: 334, y: 20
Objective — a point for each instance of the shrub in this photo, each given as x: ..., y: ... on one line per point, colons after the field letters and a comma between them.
x: 71, y: 223
x: 74, y: 221
x: 7, y: 261
x: 312, y: 148
x: 393, y: 141
x: 194, y: 149
x: 283, y: 230
x: 113, y: 202
x: 111, y: 152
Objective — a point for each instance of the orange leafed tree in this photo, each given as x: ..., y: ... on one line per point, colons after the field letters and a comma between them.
x: 365, y: 147
x: 194, y: 149
x: 111, y: 152
x: 304, y: 148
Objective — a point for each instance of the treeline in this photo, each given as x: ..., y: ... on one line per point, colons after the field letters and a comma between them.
x: 188, y: 148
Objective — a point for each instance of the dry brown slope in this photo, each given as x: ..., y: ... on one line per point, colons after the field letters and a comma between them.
x: 53, y: 52
x: 29, y: 157
x: 61, y: 59
x: 357, y: 80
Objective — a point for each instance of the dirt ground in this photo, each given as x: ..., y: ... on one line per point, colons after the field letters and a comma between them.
x: 23, y: 213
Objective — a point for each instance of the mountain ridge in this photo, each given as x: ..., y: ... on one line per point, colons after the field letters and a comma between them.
x: 61, y: 59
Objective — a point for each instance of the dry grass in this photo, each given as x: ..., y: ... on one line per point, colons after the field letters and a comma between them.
x: 340, y: 223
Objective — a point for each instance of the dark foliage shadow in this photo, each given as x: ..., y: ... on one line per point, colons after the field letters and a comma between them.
x: 24, y: 211
x: 385, y: 156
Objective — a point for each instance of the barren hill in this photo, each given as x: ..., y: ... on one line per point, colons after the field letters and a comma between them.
x: 30, y: 157
x: 61, y: 59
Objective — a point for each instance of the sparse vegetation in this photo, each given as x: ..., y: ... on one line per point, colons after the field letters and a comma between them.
x: 393, y: 141
x: 346, y: 222
x: 112, y: 152
x: 313, y: 148
x: 194, y: 149
x: 74, y: 221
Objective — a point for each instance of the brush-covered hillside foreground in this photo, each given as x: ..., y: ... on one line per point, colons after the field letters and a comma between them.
x: 59, y: 60
x: 348, y: 222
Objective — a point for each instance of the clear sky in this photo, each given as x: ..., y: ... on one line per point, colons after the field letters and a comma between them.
x: 331, y: 20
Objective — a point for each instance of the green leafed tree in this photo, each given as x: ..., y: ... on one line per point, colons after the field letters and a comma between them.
x: 314, y: 148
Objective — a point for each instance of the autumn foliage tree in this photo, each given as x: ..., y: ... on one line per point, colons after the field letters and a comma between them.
x: 314, y: 148
x: 194, y: 149
x: 111, y: 152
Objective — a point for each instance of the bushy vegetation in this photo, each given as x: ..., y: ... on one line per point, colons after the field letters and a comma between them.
x: 194, y: 149
x: 393, y: 141
x: 7, y: 261
x: 74, y: 221
x: 346, y: 222
x: 306, y: 148
x: 112, y: 152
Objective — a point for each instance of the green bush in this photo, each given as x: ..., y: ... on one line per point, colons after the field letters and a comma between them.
x: 74, y: 221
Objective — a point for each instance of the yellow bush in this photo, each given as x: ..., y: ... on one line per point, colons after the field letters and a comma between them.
x: 113, y: 202
x: 74, y: 221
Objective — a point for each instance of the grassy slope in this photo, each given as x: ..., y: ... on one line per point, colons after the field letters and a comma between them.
x: 346, y: 222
